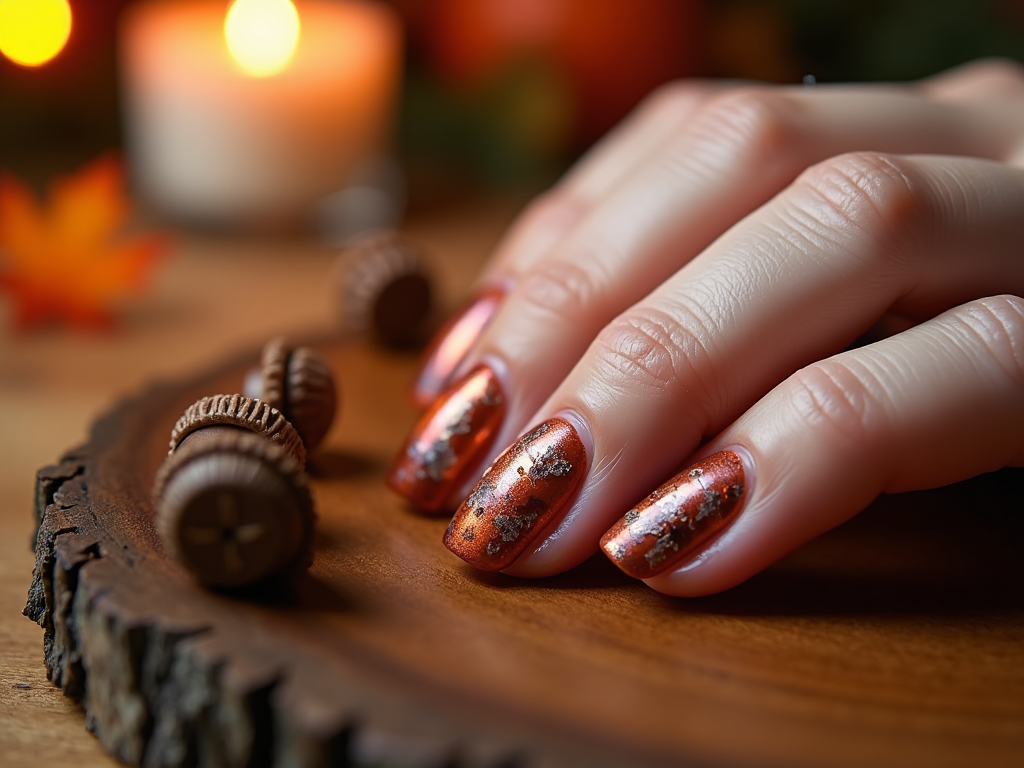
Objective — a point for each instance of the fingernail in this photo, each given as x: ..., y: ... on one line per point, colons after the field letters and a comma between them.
x: 529, y: 484
x: 448, y: 440
x: 679, y: 518
x: 451, y: 344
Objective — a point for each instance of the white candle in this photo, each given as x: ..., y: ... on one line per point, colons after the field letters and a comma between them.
x: 210, y: 142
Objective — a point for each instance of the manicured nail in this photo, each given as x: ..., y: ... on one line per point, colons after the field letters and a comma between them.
x: 523, y: 490
x: 449, y: 440
x: 451, y: 344
x: 679, y: 518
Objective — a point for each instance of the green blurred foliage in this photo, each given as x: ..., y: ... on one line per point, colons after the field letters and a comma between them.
x: 515, y: 130
x: 509, y: 133
x: 844, y: 40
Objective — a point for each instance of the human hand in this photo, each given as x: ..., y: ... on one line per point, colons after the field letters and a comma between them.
x: 684, y: 297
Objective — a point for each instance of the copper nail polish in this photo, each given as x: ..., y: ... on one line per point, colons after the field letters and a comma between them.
x: 448, y: 439
x: 679, y: 518
x: 529, y: 484
x: 451, y: 344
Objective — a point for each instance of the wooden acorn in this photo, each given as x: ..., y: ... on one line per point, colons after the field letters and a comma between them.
x: 385, y: 288
x: 233, y: 504
x: 298, y: 382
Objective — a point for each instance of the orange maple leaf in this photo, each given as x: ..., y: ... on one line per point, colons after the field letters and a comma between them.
x: 67, y: 261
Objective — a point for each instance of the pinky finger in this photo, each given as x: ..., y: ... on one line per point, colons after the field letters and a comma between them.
x: 936, y: 404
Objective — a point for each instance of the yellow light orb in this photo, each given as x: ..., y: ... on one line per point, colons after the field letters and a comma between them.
x: 33, y: 31
x: 261, y: 35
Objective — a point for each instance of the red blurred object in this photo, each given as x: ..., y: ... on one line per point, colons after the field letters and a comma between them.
x: 612, y: 52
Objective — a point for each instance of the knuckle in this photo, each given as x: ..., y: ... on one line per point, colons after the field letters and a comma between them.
x: 828, y: 395
x: 995, y: 73
x: 544, y: 203
x: 872, y: 194
x: 561, y: 291
x: 749, y: 125
x: 997, y: 323
x: 675, y: 99
x: 657, y: 351
x: 553, y: 205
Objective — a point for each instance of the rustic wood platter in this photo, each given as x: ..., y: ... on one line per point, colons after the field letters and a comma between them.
x: 897, y: 639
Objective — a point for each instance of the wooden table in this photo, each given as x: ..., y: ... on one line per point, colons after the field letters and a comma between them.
x: 895, y: 640
x: 54, y: 383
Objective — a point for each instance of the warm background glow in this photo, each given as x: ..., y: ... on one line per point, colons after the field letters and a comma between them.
x: 262, y: 35
x: 33, y: 31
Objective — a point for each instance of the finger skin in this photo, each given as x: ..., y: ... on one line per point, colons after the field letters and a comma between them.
x: 639, y: 138
x: 645, y: 137
x: 934, y: 405
x: 855, y: 237
x: 981, y: 80
x: 735, y: 153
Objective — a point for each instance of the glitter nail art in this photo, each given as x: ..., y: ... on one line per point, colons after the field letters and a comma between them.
x: 523, y: 490
x: 680, y: 517
x: 449, y: 440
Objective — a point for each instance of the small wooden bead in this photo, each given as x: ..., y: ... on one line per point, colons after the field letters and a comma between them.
x: 243, y: 412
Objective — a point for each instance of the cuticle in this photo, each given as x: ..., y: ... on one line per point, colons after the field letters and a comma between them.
x: 749, y: 485
x: 498, y: 368
x: 749, y: 471
x: 582, y: 430
x: 503, y: 283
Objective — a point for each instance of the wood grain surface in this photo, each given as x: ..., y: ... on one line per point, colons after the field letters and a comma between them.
x: 214, y: 296
x: 894, y: 640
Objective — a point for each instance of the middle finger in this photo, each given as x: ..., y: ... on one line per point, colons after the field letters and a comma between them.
x: 802, y: 277
x: 736, y: 153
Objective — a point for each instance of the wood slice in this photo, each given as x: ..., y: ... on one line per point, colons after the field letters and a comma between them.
x: 897, y: 639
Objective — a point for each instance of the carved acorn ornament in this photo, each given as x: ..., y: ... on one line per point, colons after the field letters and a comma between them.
x: 385, y: 288
x: 233, y: 505
x: 298, y: 382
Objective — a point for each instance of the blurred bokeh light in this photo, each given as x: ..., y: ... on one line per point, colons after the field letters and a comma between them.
x: 33, y: 31
x: 262, y: 35
x: 504, y: 94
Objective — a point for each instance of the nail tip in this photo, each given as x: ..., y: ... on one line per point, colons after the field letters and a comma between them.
x: 416, y: 502
x: 422, y: 399
x: 449, y: 440
x: 468, y: 557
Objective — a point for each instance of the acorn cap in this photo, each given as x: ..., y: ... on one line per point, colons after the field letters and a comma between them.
x: 274, y: 370
x: 298, y: 382
x: 384, y: 287
x: 311, y: 397
x: 244, y: 412
x: 235, y: 510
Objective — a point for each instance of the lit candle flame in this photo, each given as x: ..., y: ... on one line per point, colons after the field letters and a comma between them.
x: 262, y: 35
x: 33, y: 31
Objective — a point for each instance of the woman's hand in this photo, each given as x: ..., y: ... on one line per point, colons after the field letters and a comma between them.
x: 683, y: 299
